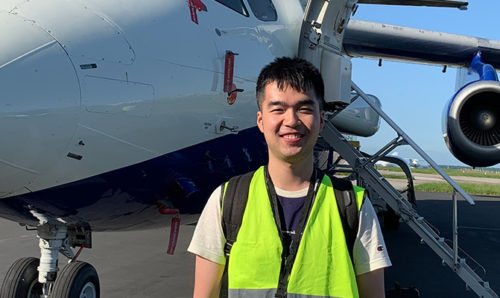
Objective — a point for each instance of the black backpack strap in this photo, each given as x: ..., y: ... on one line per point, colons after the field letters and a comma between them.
x: 233, y: 203
x: 346, y: 203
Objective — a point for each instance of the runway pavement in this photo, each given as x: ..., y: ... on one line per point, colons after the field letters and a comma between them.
x: 134, y: 263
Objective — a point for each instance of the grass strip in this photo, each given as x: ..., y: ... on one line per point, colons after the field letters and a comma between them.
x: 394, y: 176
x: 470, y: 188
x: 451, y: 172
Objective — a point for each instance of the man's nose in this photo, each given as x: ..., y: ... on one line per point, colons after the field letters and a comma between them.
x: 291, y: 118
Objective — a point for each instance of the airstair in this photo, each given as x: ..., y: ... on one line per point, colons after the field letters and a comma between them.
x: 321, y: 43
x: 373, y: 181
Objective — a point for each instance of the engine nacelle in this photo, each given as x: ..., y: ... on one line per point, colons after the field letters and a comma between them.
x: 471, y: 124
x: 358, y: 118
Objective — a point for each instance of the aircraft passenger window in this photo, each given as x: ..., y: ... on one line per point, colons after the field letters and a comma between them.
x: 236, y: 5
x: 263, y: 10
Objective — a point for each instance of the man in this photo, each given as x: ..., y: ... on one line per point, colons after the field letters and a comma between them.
x: 290, y: 99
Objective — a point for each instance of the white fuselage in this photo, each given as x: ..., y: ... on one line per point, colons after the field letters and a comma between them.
x: 88, y: 87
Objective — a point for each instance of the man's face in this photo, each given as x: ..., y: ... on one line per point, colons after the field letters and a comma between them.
x: 290, y: 121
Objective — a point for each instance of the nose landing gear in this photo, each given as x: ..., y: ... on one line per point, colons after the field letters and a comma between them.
x: 32, y: 277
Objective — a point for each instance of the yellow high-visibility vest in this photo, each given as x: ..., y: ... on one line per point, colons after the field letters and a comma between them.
x: 322, y: 267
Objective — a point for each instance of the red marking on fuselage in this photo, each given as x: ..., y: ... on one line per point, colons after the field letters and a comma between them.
x: 229, y: 72
x: 232, y: 95
x: 194, y: 6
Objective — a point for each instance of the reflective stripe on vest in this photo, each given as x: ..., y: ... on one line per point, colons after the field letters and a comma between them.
x: 322, y: 267
x: 267, y: 293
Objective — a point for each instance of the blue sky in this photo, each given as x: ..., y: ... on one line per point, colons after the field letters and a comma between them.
x: 414, y: 95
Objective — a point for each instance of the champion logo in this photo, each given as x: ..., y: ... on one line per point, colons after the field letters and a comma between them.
x: 380, y: 248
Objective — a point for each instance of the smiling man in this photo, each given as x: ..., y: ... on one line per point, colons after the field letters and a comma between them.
x: 288, y: 239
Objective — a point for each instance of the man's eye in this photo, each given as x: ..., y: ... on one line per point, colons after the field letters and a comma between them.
x: 276, y: 110
x: 306, y: 109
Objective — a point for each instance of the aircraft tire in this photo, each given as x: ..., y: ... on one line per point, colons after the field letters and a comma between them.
x: 78, y: 279
x: 21, y: 281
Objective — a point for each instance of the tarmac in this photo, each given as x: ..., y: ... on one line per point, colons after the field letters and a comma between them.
x: 135, y: 263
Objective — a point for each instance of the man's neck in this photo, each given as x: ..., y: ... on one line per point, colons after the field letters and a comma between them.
x: 291, y: 176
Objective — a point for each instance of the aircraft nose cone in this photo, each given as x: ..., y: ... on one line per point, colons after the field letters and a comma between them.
x: 39, y: 100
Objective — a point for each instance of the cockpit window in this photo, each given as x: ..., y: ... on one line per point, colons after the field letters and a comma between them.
x: 263, y: 10
x: 236, y: 5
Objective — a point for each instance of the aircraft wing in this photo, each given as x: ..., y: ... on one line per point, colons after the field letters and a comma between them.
x: 383, y: 41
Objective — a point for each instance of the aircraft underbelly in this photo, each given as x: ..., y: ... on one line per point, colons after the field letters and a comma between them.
x: 126, y: 198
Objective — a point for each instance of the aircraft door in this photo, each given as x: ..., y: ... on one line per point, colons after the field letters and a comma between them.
x: 320, y: 43
x: 247, y: 36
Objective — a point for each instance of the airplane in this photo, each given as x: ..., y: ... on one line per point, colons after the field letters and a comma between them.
x: 116, y: 112
x: 410, y: 162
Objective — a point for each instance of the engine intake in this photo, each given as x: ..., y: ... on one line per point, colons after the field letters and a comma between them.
x: 471, y: 125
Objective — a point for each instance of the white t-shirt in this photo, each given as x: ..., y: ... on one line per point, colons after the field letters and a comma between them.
x: 369, y: 250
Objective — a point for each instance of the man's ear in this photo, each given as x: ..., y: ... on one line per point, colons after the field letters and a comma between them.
x: 259, y: 121
x: 321, y: 120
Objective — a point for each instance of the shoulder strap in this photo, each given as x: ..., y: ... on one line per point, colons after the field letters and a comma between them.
x: 346, y: 202
x: 233, y: 202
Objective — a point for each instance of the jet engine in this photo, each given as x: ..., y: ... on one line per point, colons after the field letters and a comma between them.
x: 358, y: 118
x: 471, y: 123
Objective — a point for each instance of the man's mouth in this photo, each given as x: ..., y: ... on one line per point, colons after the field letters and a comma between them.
x: 292, y: 136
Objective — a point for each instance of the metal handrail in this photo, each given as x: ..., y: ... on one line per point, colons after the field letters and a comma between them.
x: 410, y: 142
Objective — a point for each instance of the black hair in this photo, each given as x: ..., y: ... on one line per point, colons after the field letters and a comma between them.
x: 297, y: 73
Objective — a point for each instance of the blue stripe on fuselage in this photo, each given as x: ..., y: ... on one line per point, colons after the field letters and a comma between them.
x: 127, y: 197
